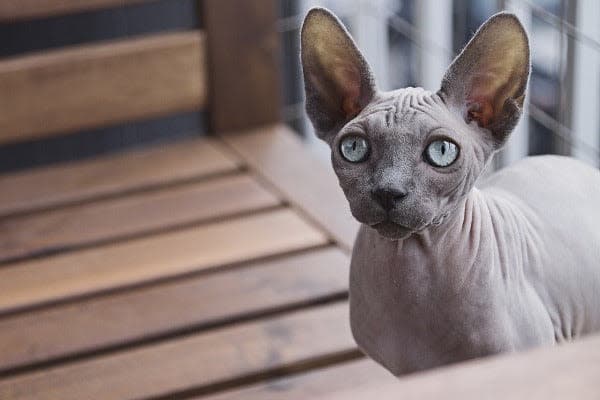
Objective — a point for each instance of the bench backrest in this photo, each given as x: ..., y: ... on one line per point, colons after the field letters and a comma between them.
x: 231, y: 68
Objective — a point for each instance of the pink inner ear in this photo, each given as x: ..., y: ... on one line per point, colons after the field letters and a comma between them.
x: 480, y: 99
x: 348, y: 82
x: 480, y: 110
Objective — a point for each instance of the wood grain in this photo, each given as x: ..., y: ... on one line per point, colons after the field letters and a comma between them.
x: 160, y: 256
x: 244, y: 63
x: 112, y: 219
x: 194, y: 361
x: 570, y: 371
x: 13, y: 10
x: 100, y: 84
x: 314, y: 384
x: 306, y: 180
x: 159, y: 309
x: 122, y: 172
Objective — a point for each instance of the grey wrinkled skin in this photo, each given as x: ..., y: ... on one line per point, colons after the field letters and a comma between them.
x: 459, y: 267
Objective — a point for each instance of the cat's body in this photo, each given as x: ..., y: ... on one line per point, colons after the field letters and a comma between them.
x: 445, y: 270
x: 455, y: 292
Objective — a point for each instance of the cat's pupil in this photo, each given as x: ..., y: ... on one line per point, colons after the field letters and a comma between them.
x: 443, y: 148
x: 354, y: 145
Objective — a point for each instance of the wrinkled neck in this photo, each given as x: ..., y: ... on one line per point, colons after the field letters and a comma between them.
x: 461, y: 218
x: 455, y: 250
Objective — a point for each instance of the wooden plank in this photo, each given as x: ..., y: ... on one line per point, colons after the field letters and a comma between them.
x: 276, y: 153
x: 78, y: 181
x: 14, y: 10
x: 122, y: 217
x: 30, y: 283
x: 152, y: 311
x: 313, y: 384
x: 100, y: 84
x: 569, y: 371
x: 195, y: 361
x: 244, y: 61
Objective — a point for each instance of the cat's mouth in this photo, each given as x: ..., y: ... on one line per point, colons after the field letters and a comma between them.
x: 392, y: 230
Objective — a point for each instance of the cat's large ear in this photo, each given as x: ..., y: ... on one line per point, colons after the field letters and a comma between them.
x: 486, y: 83
x: 337, y: 79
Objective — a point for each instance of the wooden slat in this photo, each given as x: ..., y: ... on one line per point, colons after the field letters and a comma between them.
x: 304, y: 179
x: 244, y: 63
x: 13, y: 10
x: 570, y: 371
x: 146, y: 312
x: 126, y: 216
x: 195, y: 361
x: 94, y: 85
x: 166, y: 255
x: 72, y: 182
x: 314, y: 384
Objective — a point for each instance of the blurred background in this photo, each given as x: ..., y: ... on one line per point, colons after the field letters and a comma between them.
x: 407, y: 42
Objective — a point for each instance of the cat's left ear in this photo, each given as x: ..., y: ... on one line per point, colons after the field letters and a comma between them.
x: 488, y: 79
x: 337, y: 79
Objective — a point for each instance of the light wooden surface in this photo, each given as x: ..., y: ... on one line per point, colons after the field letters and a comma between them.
x: 13, y: 10
x: 570, y: 371
x: 184, y: 270
x: 314, y: 384
x: 244, y: 63
x: 106, y: 176
x: 124, y: 217
x: 162, y: 309
x: 156, y: 257
x: 194, y: 361
x: 276, y: 153
x: 100, y: 84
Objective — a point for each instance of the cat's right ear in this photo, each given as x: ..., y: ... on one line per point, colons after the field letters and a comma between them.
x: 486, y: 83
x: 337, y: 79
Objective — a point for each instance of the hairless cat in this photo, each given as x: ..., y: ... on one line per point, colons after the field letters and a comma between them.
x: 446, y: 266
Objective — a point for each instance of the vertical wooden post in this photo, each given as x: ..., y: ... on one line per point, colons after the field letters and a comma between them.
x: 244, y: 63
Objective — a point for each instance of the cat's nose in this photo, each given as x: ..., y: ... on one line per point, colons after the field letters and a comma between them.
x: 388, y: 197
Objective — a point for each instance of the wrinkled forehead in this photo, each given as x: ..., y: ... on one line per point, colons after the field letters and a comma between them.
x: 406, y: 114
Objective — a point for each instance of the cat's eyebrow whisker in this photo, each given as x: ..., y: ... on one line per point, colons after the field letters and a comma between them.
x: 405, y: 103
x: 388, y: 117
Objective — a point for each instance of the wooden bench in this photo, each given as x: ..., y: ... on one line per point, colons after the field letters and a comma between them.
x: 214, y: 267
x: 172, y: 270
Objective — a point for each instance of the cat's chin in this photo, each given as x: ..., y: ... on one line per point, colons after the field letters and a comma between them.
x: 392, y: 231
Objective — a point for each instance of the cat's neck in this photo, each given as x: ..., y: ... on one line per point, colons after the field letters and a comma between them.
x: 458, y: 246
x: 462, y: 248
x: 417, y: 277
x: 460, y: 219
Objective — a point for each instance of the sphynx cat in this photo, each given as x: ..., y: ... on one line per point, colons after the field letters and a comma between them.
x: 447, y: 267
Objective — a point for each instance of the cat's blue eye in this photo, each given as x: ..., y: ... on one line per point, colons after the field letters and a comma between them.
x: 354, y: 148
x: 441, y: 153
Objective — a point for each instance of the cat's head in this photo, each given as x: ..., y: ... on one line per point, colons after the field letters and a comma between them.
x: 406, y: 158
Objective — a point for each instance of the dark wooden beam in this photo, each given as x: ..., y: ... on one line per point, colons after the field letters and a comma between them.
x: 244, y: 63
